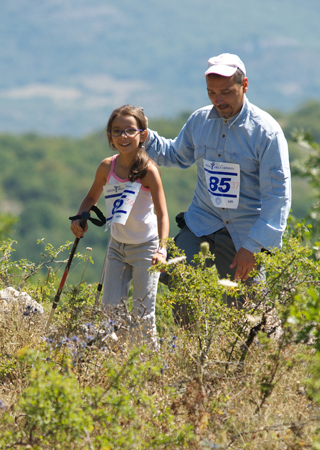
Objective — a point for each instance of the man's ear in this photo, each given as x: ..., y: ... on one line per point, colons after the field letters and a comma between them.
x: 143, y: 136
x: 245, y: 84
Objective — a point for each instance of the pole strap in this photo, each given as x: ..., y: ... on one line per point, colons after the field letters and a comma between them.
x: 98, y: 222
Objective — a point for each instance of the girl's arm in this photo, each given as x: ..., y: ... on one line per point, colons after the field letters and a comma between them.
x: 93, y: 195
x: 152, y: 181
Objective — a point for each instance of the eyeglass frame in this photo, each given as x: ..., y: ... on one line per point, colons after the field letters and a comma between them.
x: 125, y: 132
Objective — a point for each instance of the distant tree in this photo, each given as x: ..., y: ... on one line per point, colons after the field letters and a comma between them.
x: 309, y: 167
x: 307, y: 117
x: 6, y: 224
x: 169, y: 128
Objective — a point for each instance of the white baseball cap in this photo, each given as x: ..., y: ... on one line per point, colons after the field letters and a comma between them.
x: 225, y: 65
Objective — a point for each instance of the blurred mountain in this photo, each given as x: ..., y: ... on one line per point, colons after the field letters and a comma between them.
x: 65, y: 64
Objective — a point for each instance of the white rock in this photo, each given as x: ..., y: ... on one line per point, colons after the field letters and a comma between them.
x: 9, y: 297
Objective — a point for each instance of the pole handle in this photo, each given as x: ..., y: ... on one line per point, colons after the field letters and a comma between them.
x: 84, y: 217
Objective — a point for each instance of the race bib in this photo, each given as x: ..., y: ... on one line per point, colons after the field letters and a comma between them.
x: 223, y: 182
x: 120, y: 199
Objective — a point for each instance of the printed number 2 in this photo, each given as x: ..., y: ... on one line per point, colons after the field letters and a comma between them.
x: 221, y: 184
x: 117, y: 205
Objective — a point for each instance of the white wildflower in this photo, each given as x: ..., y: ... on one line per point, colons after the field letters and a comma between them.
x: 227, y: 283
x: 176, y: 260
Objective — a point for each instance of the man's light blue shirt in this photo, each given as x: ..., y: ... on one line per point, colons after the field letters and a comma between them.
x: 255, y: 141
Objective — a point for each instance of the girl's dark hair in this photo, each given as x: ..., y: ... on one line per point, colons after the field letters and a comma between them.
x: 140, y: 164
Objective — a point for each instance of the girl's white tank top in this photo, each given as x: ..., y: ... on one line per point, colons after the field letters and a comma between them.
x: 141, y: 225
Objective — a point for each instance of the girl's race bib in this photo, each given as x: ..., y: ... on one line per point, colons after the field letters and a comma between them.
x: 223, y: 182
x: 120, y: 199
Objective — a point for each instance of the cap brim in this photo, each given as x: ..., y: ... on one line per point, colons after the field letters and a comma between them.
x: 224, y: 71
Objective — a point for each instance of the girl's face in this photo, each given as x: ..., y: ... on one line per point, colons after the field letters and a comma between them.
x: 125, y: 143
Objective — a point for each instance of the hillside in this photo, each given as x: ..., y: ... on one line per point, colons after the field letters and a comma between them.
x: 65, y: 65
x: 43, y: 180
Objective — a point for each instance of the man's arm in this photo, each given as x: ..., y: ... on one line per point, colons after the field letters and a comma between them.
x: 178, y: 152
x: 275, y: 187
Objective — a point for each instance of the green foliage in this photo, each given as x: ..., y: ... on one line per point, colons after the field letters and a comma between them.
x: 43, y: 180
x: 7, y: 221
x: 309, y: 167
x: 198, y: 287
x: 169, y: 128
x: 57, y: 412
x: 7, y: 366
x: 52, y: 407
x: 22, y: 274
x: 304, y: 118
x: 289, y: 272
x: 232, y: 379
x: 220, y: 383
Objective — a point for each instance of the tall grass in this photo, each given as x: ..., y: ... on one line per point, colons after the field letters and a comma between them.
x: 246, y: 379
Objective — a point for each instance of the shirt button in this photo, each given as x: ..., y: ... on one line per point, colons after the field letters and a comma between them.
x: 219, y: 154
x: 223, y: 208
x: 225, y: 121
x: 223, y: 135
x: 227, y: 221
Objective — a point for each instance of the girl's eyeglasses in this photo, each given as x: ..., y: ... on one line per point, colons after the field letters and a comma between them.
x: 130, y: 132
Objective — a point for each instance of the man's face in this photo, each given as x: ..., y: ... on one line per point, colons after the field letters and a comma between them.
x: 226, y: 95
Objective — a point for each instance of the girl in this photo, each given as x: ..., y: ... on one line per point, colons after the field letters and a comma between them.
x: 133, y: 190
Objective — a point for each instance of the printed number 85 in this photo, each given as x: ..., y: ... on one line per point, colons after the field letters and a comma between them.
x: 221, y: 184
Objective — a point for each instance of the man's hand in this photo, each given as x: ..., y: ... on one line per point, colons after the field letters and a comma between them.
x: 245, y: 262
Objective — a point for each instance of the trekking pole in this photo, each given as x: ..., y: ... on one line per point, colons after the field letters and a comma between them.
x: 84, y: 217
x: 100, y: 285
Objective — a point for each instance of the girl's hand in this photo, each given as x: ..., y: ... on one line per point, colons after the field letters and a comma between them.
x: 159, y: 258
x: 77, y: 229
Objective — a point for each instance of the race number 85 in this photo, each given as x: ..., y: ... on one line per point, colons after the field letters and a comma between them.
x: 220, y: 184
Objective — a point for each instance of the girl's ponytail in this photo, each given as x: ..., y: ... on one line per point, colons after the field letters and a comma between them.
x: 140, y: 165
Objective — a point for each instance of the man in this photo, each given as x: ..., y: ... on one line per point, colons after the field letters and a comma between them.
x: 242, y: 196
